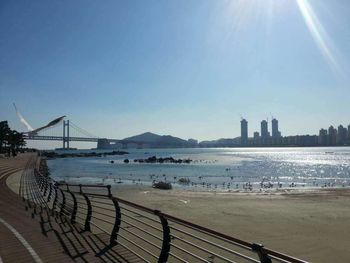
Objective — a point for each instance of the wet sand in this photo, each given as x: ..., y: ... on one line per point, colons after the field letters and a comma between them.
x: 313, y: 226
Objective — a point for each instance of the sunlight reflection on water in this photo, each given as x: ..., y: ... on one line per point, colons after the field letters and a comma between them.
x: 216, y: 168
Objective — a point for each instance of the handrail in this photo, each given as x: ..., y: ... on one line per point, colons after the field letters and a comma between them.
x: 168, y: 246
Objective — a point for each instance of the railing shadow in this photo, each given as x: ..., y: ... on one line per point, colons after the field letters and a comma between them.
x: 76, y: 242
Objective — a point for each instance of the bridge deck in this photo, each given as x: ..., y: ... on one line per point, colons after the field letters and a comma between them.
x: 29, y: 234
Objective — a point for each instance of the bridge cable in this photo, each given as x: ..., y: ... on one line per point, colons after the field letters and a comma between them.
x: 81, y: 130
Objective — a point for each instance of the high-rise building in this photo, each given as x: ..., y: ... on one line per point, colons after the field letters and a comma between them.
x: 275, y: 132
x: 264, y: 130
x: 341, y: 136
x: 322, y: 137
x: 244, y: 131
x: 256, y: 135
x: 332, y: 133
x: 256, y: 138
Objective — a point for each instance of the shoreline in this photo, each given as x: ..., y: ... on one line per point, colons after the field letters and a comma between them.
x: 335, y: 191
x: 51, y: 155
x: 130, y: 183
x: 219, y: 171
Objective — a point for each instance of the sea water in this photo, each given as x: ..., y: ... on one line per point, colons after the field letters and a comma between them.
x: 215, y: 168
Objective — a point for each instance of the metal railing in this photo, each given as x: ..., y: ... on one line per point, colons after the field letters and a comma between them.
x: 149, y: 234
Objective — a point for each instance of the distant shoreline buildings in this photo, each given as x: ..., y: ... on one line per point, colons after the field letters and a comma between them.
x: 330, y: 137
x: 334, y: 136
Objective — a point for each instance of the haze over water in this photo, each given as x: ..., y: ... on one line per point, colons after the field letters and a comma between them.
x: 215, y: 169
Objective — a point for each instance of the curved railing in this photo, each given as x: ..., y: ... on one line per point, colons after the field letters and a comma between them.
x: 149, y: 234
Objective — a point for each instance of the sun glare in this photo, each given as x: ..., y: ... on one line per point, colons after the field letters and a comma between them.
x: 318, y: 33
x: 241, y: 14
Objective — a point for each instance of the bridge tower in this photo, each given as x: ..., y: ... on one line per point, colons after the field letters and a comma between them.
x: 65, y: 134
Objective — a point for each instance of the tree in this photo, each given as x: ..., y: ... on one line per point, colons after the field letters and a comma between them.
x: 15, y: 141
x: 4, y: 135
x: 10, y: 140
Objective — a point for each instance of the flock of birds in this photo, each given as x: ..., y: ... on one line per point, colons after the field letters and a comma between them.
x: 200, y: 182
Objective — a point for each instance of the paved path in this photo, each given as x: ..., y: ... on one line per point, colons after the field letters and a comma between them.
x: 32, y: 235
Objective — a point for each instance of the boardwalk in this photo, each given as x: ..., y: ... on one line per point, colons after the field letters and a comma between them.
x: 31, y: 234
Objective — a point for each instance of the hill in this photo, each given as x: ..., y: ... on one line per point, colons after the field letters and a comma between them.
x: 160, y: 141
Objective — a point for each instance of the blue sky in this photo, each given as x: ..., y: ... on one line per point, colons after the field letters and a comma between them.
x: 188, y: 68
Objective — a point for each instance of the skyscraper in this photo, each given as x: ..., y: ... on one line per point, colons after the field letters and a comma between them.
x: 323, y: 137
x: 332, y: 133
x: 256, y: 135
x: 264, y: 130
x: 256, y: 138
x: 341, y: 136
x: 275, y: 132
x: 244, y: 131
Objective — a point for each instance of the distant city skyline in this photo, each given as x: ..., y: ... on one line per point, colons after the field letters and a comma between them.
x: 264, y: 129
x: 186, y: 68
x: 332, y: 137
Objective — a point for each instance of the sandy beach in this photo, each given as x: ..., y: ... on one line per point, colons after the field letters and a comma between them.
x: 313, y: 226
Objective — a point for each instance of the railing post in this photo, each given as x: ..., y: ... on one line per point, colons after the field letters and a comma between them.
x: 263, y: 256
x: 87, y: 226
x: 116, y: 227
x: 109, y: 191
x: 164, y: 254
x: 75, y: 206
x: 117, y: 222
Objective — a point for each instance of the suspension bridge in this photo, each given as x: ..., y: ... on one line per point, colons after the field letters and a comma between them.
x: 71, y: 132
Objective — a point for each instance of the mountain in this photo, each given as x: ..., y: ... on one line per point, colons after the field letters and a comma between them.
x: 161, y: 141
x: 152, y: 140
x: 144, y: 137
